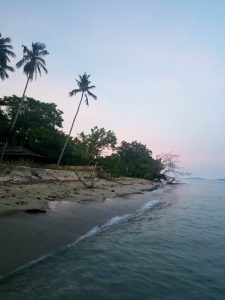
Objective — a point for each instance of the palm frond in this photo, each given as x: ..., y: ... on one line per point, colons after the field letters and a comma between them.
x: 9, y: 68
x: 39, y: 59
x: 43, y: 53
x: 5, y: 53
x: 20, y: 63
x: 86, y: 99
x: 42, y: 67
x: 33, y: 60
x: 74, y: 92
x: 3, y: 74
x: 9, y: 52
x: 39, y: 70
x: 92, y: 95
x: 3, y: 71
x: 5, y: 46
x: 91, y: 87
x: 84, y: 86
x: 7, y: 40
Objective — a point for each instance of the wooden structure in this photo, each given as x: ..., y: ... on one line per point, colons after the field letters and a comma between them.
x: 20, y: 153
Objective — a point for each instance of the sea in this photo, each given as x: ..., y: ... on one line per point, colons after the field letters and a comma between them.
x: 172, y: 247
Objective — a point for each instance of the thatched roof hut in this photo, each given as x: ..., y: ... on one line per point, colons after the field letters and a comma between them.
x: 18, y: 152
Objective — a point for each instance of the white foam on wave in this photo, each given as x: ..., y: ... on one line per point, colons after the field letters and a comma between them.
x: 148, y: 205
x: 91, y: 232
x: 116, y: 220
x: 27, y: 265
x: 113, y: 221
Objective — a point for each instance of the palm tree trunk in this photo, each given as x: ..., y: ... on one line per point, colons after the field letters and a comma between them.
x: 64, y: 147
x: 15, y: 119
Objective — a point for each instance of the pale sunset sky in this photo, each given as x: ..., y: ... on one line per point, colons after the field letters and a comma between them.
x: 158, y: 67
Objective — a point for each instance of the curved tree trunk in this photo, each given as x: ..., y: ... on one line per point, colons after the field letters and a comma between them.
x: 15, y: 120
x: 67, y: 139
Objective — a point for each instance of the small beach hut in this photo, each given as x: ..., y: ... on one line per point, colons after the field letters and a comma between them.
x: 20, y: 153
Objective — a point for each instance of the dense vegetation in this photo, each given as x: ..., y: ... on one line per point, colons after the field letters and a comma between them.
x: 38, y: 128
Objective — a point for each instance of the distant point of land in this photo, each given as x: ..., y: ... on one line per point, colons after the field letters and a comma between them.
x: 195, y: 178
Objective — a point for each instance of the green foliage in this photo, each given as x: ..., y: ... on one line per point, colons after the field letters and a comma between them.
x: 48, y: 142
x: 34, y: 112
x: 4, y: 122
x: 137, y: 160
x: 91, y: 146
x: 132, y: 160
x: 38, y: 129
x: 112, y: 164
x: 5, y: 53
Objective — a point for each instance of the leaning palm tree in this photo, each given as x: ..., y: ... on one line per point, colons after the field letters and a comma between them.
x: 84, y: 88
x: 5, y: 52
x: 33, y: 63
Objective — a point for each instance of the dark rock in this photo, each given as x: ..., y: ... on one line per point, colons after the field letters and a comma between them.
x: 35, y: 211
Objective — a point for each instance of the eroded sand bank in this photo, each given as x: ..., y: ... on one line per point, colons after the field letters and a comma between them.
x: 24, y: 188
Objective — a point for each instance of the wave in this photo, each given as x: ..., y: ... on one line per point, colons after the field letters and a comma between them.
x: 94, y: 231
x: 115, y: 221
x: 148, y: 205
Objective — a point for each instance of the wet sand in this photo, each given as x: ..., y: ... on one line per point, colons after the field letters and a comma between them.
x: 66, y: 209
x: 25, y: 237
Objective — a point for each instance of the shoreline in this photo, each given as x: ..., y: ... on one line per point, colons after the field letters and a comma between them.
x: 36, y: 197
x: 69, y: 210
x: 26, y: 237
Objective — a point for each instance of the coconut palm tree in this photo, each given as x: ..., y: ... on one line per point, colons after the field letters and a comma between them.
x: 84, y: 88
x: 33, y: 63
x: 5, y: 52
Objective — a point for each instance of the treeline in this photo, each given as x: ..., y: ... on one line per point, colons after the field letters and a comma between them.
x: 39, y: 128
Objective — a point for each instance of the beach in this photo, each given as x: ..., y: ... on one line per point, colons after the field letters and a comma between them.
x: 43, y: 210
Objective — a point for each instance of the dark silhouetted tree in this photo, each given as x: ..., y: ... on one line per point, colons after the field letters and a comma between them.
x: 5, y: 53
x: 84, y: 88
x: 33, y: 63
x: 171, y: 169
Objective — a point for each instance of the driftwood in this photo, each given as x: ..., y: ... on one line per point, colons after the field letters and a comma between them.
x: 92, y: 179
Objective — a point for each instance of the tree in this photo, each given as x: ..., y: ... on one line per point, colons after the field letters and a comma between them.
x: 132, y: 160
x: 4, y: 122
x: 112, y: 164
x: 5, y: 53
x: 137, y: 160
x: 33, y: 63
x: 89, y: 147
x: 37, y: 128
x: 34, y: 114
x: 84, y: 88
x: 134, y: 157
x: 170, y: 167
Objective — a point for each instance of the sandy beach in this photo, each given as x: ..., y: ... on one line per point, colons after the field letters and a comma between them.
x: 24, y: 188
x: 69, y: 210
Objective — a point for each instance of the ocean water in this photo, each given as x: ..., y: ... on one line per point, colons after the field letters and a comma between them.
x: 173, y: 247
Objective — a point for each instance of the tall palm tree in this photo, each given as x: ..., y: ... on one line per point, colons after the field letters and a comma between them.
x: 84, y: 88
x: 33, y: 63
x: 5, y: 52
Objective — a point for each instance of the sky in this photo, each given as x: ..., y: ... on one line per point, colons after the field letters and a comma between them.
x: 158, y: 67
